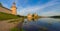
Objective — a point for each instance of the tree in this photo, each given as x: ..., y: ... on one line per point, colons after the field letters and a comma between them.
x: 1, y: 4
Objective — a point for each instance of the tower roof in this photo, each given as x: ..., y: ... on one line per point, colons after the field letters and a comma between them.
x: 14, y: 5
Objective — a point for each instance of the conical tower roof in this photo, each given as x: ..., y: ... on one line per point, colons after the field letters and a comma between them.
x: 14, y: 5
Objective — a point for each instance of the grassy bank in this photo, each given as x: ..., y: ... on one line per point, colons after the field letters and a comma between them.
x: 5, y: 16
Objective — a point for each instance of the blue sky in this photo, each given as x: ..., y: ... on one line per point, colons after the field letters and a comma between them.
x: 40, y: 7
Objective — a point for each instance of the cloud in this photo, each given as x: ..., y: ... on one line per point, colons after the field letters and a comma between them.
x: 29, y: 9
x: 50, y: 13
x: 25, y: 11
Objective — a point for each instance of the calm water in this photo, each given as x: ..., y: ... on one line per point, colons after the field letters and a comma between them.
x: 49, y: 24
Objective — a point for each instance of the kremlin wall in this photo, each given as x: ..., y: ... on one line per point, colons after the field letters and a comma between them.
x: 10, y: 11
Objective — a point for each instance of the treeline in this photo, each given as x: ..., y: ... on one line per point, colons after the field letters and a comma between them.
x: 22, y: 16
x: 55, y: 16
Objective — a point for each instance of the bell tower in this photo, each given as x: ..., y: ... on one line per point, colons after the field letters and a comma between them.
x: 14, y: 8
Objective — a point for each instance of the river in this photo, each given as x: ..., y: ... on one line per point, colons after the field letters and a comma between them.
x: 42, y: 24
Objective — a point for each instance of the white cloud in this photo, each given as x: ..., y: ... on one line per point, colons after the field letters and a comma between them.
x: 51, y: 13
x: 25, y: 11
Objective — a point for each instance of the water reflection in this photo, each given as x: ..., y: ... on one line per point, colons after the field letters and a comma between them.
x: 42, y: 24
x: 33, y: 20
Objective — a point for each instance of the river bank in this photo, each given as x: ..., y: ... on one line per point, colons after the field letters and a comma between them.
x: 9, y: 24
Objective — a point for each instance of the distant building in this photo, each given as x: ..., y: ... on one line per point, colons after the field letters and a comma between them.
x: 29, y: 16
x: 10, y: 11
x: 32, y: 16
x: 35, y: 16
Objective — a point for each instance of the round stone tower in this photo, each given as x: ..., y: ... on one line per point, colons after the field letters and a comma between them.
x: 14, y: 8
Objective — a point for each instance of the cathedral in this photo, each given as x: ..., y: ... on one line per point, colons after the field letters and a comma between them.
x: 32, y: 16
x: 13, y: 9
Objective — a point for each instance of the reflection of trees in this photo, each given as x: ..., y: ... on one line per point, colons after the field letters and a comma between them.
x: 43, y: 29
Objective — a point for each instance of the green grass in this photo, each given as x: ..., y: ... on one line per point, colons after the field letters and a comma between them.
x: 17, y: 20
x: 5, y: 16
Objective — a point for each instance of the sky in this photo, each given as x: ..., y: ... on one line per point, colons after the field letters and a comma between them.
x: 40, y: 7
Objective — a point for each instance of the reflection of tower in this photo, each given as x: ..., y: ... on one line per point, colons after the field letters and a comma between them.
x: 13, y: 8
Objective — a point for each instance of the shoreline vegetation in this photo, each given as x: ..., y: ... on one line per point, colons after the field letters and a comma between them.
x: 9, y: 18
x: 55, y: 17
x: 20, y: 22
